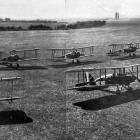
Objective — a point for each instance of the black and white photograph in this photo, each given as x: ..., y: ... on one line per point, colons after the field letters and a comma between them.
x: 70, y: 69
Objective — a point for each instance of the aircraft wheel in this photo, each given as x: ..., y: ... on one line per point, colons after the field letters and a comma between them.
x: 130, y: 89
x: 10, y: 65
x: 72, y: 61
x: 17, y: 65
x: 118, y: 92
x: 134, y: 54
x: 77, y: 61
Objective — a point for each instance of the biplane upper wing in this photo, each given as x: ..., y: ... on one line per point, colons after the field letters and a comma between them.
x: 60, y: 53
x: 9, y: 79
x: 27, y: 54
x: 9, y: 98
x: 91, y: 68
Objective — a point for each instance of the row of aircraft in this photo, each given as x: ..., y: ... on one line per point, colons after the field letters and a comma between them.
x: 121, y: 77
x: 76, y: 53
x: 16, y: 56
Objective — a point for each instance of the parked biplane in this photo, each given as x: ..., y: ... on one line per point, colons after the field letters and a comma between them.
x: 71, y: 54
x: 10, y: 97
x: 16, y: 56
x: 123, y: 49
x: 87, y: 79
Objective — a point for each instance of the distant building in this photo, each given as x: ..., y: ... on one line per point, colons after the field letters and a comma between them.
x: 117, y: 16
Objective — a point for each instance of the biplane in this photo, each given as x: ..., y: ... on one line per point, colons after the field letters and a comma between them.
x: 71, y: 54
x: 87, y: 79
x: 126, y: 49
x: 10, y: 97
x: 16, y: 56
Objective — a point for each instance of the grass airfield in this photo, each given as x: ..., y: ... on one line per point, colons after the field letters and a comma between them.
x: 103, y: 115
x: 53, y: 112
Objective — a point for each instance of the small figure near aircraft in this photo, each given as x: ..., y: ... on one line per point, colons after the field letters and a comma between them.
x: 119, y: 77
x: 16, y: 56
x: 71, y: 54
x: 119, y: 49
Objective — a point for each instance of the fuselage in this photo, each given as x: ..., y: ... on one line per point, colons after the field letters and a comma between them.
x: 131, y: 49
x: 120, y: 80
x: 116, y: 79
x: 73, y: 55
x: 12, y: 58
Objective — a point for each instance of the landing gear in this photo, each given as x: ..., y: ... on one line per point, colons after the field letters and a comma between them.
x: 134, y: 54
x: 130, y: 89
x: 13, y: 65
x: 17, y: 65
x: 75, y: 61
x: 118, y: 91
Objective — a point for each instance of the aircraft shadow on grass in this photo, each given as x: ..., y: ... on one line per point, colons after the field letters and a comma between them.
x: 14, y: 117
x: 109, y: 101
x: 65, y: 65
x: 23, y: 68
x: 127, y: 57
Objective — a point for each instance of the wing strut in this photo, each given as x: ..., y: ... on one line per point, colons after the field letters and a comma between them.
x: 78, y: 77
x: 100, y: 76
x: 123, y: 70
x: 83, y: 77
x: 137, y: 72
x: 105, y: 76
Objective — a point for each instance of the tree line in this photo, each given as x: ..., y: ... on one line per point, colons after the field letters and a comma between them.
x: 77, y: 25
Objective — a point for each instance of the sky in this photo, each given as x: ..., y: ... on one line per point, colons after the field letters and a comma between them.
x: 65, y: 9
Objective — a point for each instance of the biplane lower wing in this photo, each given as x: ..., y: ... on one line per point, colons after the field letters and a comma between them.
x: 29, y: 59
x: 9, y: 98
x: 89, y: 87
x: 10, y: 79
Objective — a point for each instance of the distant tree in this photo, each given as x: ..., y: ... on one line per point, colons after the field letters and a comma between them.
x: 61, y: 27
x: 39, y: 27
